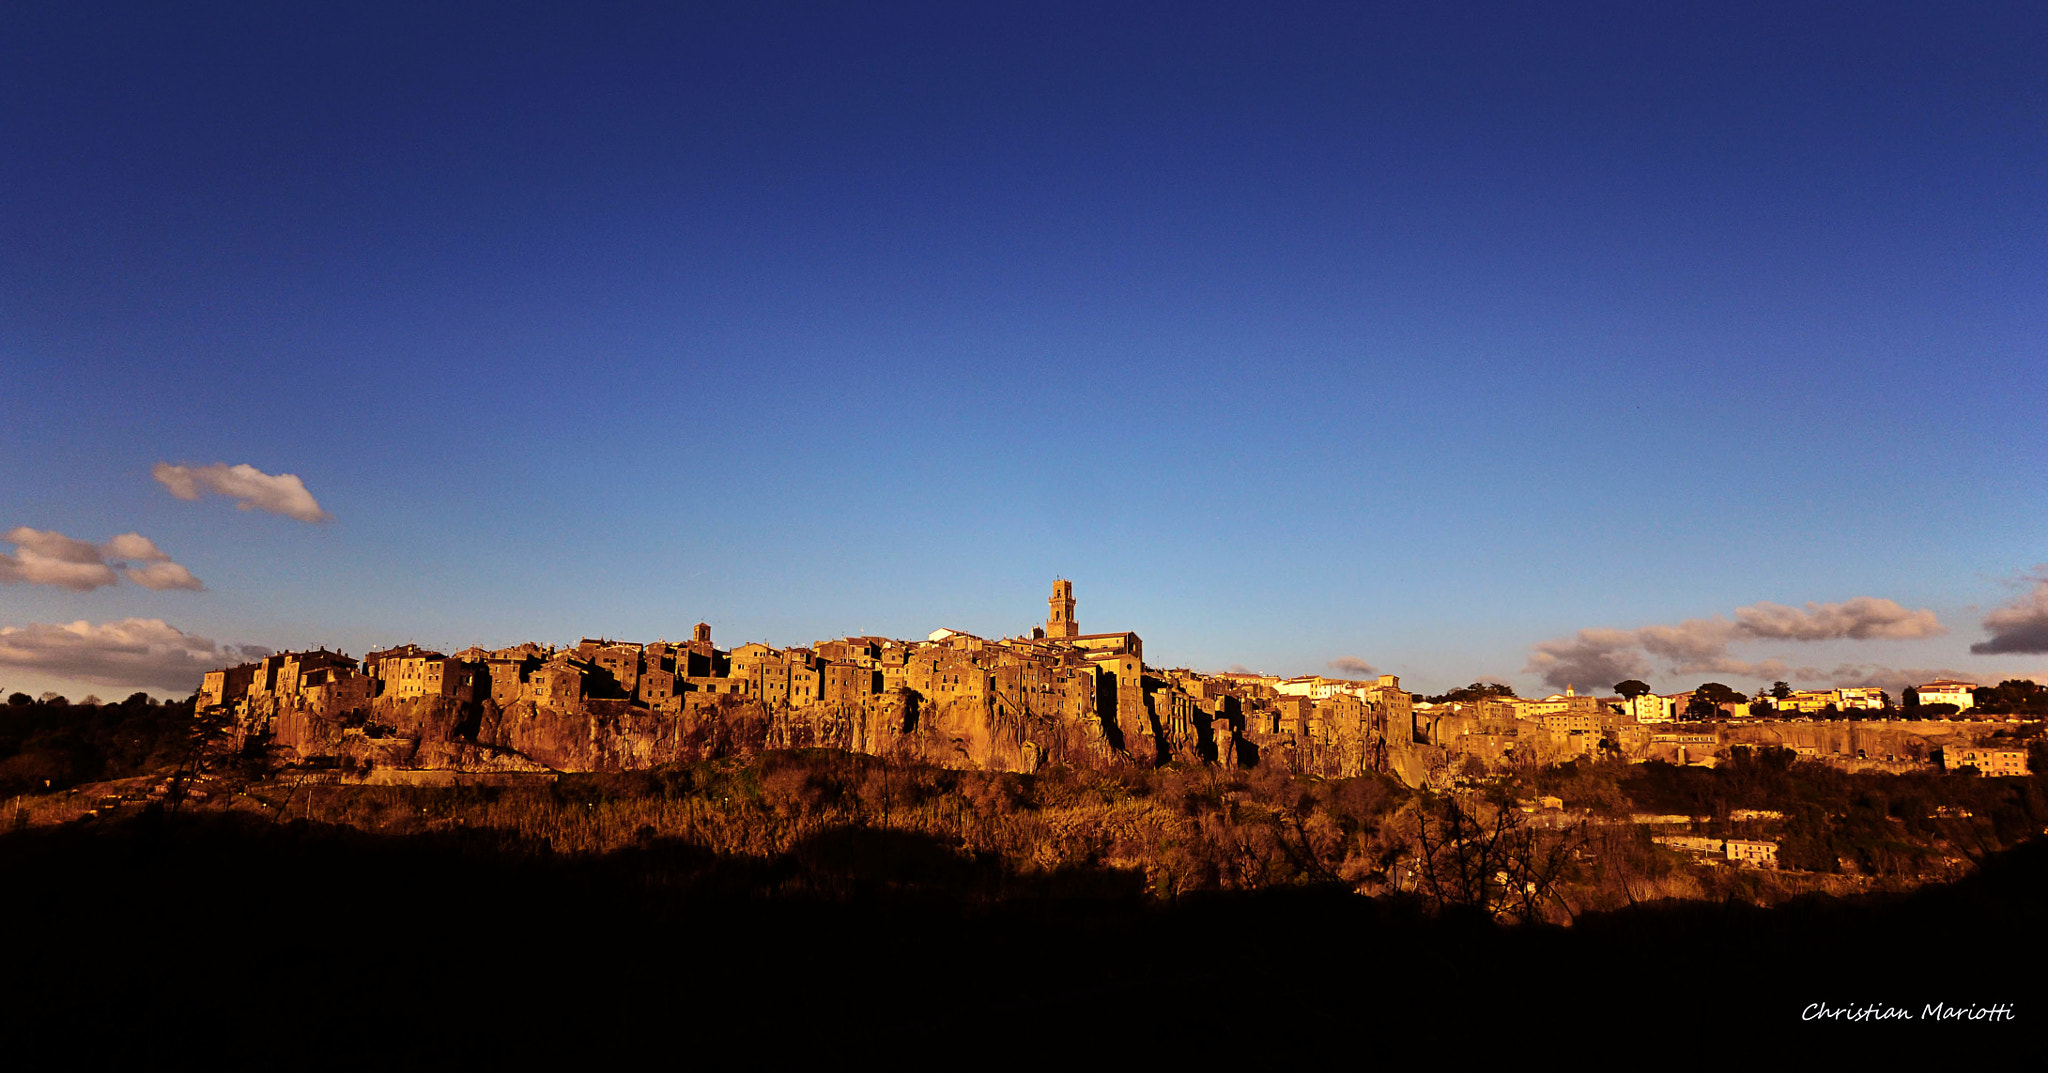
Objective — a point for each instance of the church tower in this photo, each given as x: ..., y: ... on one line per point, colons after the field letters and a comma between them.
x: 1059, y: 621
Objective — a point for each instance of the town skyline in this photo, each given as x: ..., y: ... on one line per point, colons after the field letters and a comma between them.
x: 1537, y: 346
x: 147, y: 654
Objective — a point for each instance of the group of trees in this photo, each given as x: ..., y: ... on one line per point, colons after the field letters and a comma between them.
x: 1475, y: 691
x: 2014, y: 696
x: 1172, y: 831
x: 1706, y: 701
x: 1836, y: 821
x: 1178, y: 829
x: 51, y: 744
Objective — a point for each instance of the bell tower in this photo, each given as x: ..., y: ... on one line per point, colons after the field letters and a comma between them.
x: 1059, y: 620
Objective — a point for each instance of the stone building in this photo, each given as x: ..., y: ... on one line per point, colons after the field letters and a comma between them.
x: 1057, y: 695
x: 224, y: 687
x: 656, y: 689
x: 560, y: 682
x: 328, y: 683
x: 1752, y: 853
x: 1059, y: 619
x: 1987, y: 760
x: 329, y: 680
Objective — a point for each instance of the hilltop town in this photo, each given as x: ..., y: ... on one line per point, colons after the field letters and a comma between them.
x: 1016, y: 703
x: 1049, y: 765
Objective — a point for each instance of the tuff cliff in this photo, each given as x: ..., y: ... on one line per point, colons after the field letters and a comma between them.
x: 614, y: 735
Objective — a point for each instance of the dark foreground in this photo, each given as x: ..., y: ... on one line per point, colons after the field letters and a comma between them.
x: 221, y: 940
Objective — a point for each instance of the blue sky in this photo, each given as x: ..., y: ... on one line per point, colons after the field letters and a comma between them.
x: 1413, y: 334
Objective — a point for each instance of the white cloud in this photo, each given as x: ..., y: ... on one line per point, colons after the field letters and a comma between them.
x: 55, y: 546
x: 282, y: 493
x: 2022, y: 625
x: 162, y: 576
x: 44, y: 557
x: 134, y: 652
x: 1600, y: 657
x: 134, y: 546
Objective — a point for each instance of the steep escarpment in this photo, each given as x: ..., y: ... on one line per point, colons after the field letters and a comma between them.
x: 614, y: 735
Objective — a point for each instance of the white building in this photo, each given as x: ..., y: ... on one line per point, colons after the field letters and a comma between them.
x: 1651, y: 708
x: 1948, y: 691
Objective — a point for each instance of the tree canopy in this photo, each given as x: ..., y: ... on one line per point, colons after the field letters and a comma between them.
x: 1707, y: 700
x: 2014, y: 696
x: 1717, y: 693
x: 1475, y: 691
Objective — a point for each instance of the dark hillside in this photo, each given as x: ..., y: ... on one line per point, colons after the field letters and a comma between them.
x: 219, y: 939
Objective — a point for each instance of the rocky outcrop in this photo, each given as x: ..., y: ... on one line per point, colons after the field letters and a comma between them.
x: 1334, y: 739
x: 441, y: 733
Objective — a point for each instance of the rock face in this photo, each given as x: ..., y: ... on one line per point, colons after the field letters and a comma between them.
x: 423, y: 732
x: 961, y: 703
x: 443, y: 733
x: 1333, y: 738
x: 615, y: 735
x: 954, y: 699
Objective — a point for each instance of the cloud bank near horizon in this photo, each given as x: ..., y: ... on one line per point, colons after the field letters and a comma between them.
x: 132, y: 652
x: 47, y: 557
x: 1600, y: 656
x: 251, y: 488
x: 2019, y: 627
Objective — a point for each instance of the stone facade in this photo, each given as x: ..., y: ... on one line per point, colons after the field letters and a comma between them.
x: 954, y: 698
x: 1059, y: 619
x: 961, y: 700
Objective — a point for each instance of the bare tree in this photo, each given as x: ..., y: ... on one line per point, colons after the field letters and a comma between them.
x: 1483, y: 855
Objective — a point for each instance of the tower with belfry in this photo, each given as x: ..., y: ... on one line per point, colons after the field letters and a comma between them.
x: 1059, y: 620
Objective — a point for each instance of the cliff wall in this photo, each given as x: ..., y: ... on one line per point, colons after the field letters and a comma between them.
x: 616, y: 735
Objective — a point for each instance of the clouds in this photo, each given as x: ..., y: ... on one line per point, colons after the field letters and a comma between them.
x: 2022, y: 625
x: 156, y: 570
x: 133, y: 652
x: 1862, y: 619
x: 1595, y: 656
x: 1599, y: 657
x: 45, y: 557
x: 164, y: 575
x: 1354, y: 666
x: 254, y: 489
